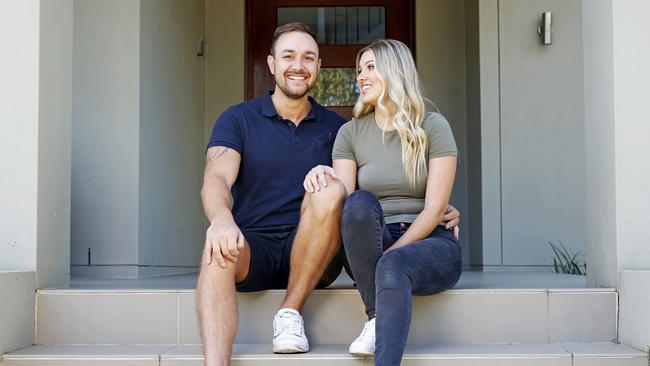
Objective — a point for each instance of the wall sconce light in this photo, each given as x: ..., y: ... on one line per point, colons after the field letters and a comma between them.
x: 545, y: 28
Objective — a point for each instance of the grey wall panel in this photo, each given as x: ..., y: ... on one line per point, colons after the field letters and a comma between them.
x: 224, y: 58
x: 440, y: 44
x: 473, y: 217
x: 542, y: 133
x: 105, y: 133
x: 171, y: 133
x: 490, y: 132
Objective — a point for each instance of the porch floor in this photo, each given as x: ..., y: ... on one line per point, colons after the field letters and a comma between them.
x: 469, y: 280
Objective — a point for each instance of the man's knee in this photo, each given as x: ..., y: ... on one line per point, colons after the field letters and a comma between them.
x: 235, y: 270
x: 326, y: 201
x: 213, y: 270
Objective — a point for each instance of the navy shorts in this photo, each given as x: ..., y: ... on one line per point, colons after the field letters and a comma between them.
x: 271, y: 258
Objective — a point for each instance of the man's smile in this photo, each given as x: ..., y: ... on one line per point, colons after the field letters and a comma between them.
x: 296, y: 77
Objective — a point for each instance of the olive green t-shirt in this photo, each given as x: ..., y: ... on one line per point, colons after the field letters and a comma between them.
x: 379, y: 165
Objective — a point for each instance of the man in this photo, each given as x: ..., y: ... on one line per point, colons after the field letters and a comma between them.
x: 265, y: 232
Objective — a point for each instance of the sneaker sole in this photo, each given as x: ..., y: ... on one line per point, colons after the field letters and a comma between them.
x: 289, y: 348
x: 362, y: 353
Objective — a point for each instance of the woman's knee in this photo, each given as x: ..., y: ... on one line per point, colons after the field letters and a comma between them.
x: 360, y: 206
x: 392, y: 273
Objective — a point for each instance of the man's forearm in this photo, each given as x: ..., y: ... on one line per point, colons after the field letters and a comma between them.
x: 216, y: 198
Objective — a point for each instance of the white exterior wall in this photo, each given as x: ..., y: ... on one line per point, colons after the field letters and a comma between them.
x: 617, y: 126
x: 632, y: 128
x: 35, y: 139
x: 54, y: 144
x: 35, y: 99
x: 600, y: 200
x: 19, y: 93
x: 16, y: 310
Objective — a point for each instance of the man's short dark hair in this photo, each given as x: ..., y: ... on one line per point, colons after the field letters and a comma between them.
x: 291, y: 27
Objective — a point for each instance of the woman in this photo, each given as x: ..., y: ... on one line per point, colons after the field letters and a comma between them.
x: 403, y: 161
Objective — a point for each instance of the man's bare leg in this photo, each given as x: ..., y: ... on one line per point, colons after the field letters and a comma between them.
x: 217, y: 307
x: 317, y: 240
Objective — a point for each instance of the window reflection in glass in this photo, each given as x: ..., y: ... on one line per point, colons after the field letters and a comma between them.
x: 339, y: 25
x: 336, y: 87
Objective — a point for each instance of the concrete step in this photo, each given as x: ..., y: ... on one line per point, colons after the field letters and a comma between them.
x: 535, y: 354
x: 332, y: 316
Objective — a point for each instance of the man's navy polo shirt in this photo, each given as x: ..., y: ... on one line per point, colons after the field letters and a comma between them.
x: 275, y: 157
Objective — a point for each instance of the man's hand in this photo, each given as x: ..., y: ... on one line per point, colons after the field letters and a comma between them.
x: 315, y: 179
x: 223, y: 240
x: 452, y: 216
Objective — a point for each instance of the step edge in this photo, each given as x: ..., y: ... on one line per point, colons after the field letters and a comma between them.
x: 168, y: 353
x: 523, y: 290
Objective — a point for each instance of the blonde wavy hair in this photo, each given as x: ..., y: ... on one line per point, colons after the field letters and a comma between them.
x: 395, y: 67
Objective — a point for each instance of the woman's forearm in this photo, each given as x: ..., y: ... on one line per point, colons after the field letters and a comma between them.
x: 440, y: 180
x: 421, y: 227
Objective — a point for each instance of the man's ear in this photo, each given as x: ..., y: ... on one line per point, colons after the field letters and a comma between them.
x: 319, y: 63
x: 270, y: 60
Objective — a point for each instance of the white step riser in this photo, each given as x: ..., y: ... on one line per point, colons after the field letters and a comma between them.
x: 328, y: 362
x: 331, y: 317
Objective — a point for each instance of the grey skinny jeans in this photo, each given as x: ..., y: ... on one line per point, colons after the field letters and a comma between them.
x: 386, y: 282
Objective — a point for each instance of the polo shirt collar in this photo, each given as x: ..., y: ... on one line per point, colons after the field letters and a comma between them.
x: 268, y: 109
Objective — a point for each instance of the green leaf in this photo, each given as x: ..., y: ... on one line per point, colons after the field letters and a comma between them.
x: 565, y: 262
x: 555, y: 266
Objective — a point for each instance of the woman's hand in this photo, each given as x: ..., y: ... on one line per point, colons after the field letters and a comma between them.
x: 452, y: 216
x: 315, y: 179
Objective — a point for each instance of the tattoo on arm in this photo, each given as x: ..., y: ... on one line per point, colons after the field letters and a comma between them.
x: 217, y: 153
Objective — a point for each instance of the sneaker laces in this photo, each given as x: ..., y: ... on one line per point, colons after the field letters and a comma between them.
x: 288, y: 322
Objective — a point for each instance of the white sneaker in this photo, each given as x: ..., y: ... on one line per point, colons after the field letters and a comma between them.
x: 364, y: 345
x: 289, y: 332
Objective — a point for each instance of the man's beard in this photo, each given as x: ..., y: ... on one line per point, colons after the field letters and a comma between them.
x: 291, y: 93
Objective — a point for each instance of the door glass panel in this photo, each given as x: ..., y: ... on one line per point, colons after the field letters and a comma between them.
x: 336, y: 87
x: 340, y: 25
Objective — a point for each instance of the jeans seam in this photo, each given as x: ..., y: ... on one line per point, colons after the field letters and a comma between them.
x: 379, y: 242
